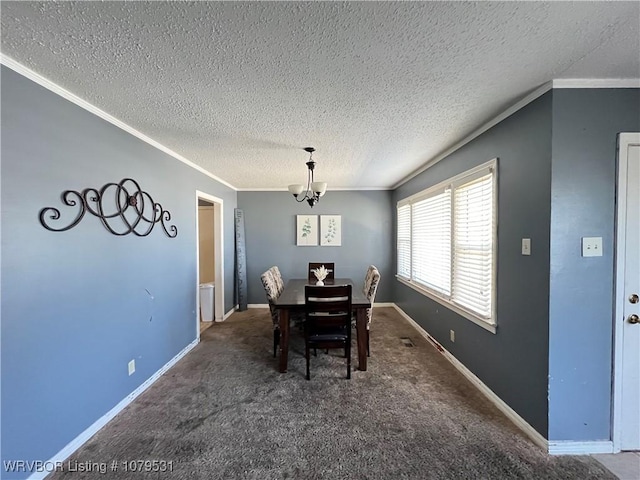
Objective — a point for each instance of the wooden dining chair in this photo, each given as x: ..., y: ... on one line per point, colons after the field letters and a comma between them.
x: 371, y: 280
x: 328, y: 320
x: 330, y: 266
x: 270, y: 284
x: 274, y: 286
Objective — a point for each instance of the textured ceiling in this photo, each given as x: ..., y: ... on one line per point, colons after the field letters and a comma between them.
x: 378, y: 88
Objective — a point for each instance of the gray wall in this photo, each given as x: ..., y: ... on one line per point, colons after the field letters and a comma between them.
x: 557, y: 167
x: 512, y: 362
x: 74, y: 307
x: 367, y: 232
x: 585, y: 128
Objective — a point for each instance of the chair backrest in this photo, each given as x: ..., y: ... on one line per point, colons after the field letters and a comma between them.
x: 327, y: 307
x: 271, y: 289
x: 330, y: 266
x: 277, y: 278
x: 371, y: 280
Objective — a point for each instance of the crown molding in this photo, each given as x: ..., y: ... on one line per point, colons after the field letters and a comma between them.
x: 57, y: 89
x: 596, y: 83
x: 558, y: 83
x: 332, y: 189
x: 538, y: 92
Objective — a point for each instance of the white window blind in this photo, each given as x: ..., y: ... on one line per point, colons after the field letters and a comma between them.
x: 404, y: 241
x: 446, y: 242
x: 473, y: 245
x: 431, y: 234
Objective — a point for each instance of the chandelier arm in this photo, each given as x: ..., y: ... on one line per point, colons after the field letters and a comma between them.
x: 309, y: 195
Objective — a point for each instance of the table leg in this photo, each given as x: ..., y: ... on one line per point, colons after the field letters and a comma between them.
x: 284, y: 338
x: 361, y: 331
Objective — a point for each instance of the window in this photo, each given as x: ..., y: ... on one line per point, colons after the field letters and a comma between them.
x: 446, y: 243
x: 404, y: 241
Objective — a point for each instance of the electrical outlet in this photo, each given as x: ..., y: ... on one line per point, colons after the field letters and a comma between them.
x: 132, y: 366
x: 591, y: 246
x: 526, y: 246
x: 452, y: 335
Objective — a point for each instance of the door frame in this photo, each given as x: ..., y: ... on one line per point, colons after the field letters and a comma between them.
x: 624, y: 140
x: 218, y: 252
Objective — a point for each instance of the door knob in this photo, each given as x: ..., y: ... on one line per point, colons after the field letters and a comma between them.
x: 633, y: 298
x: 633, y: 318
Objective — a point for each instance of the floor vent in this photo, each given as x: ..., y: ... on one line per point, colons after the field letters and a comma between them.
x: 406, y: 341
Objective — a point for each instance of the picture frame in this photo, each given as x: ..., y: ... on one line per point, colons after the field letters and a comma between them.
x: 307, y: 230
x: 331, y: 230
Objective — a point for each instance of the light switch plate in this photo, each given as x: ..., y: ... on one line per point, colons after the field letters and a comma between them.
x: 591, y: 246
x: 526, y: 246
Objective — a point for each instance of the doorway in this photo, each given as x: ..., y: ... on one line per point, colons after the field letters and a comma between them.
x: 626, y: 414
x: 210, y: 261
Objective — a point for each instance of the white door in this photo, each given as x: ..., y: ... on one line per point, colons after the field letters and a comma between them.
x: 627, y: 326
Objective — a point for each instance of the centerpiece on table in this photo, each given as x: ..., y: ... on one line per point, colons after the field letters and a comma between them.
x: 320, y: 273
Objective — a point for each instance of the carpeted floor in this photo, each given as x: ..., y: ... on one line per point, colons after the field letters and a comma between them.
x: 224, y: 412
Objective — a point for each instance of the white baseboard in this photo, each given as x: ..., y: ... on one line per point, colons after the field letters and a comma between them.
x: 80, y: 440
x: 570, y: 447
x: 553, y: 447
x: 229, y: 313
x: 520, y: 422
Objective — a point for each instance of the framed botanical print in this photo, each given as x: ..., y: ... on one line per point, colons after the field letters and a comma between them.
x: 306, y: 230
x: 331, y: 230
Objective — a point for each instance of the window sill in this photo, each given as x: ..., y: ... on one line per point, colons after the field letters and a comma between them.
x: 451, y: 306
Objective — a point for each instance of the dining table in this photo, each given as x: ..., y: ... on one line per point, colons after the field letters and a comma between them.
x: 292, y: 300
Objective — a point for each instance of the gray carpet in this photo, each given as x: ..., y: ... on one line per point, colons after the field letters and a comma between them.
x: 224, y: 412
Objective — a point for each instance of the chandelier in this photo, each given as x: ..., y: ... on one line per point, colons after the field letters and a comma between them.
x: 314, y: 189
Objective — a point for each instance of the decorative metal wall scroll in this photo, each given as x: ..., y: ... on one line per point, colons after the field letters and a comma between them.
x: 132, y: 211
